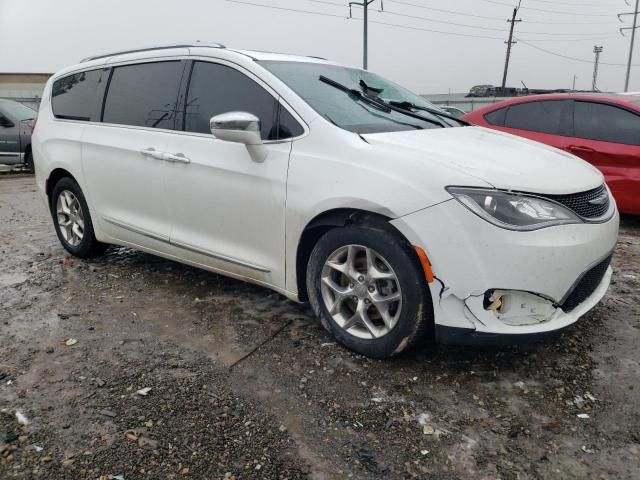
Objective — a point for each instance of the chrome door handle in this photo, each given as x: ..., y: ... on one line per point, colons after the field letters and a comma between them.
x: 152, y: 152
x: 176, y: 158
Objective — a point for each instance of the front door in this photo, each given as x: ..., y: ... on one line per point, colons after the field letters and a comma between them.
x: 227, y: 205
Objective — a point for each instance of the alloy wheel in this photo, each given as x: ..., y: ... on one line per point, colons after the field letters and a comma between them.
x: 361, y: 291
x: 70, y: 218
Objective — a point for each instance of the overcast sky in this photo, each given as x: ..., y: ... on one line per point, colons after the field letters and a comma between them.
x: 46, y: 35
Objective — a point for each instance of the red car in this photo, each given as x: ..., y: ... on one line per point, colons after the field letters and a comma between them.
x: 602, y: 129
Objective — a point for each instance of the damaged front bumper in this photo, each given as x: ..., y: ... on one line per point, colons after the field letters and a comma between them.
x: 527, y: 318
x: 499, y: 286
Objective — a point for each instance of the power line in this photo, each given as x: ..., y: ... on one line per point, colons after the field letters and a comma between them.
x: 446, y: 11
x: 406, y: 27
x: 286, y: 9
x: 417, y: 17
x: 567, y: 57
x: 557, y: 40
x: 580, y: 5
x: 485, y: 17
x: 495, y: 2
x: 325, y: 2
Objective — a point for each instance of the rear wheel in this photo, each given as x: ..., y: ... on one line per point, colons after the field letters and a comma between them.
x: 28, y: 162
x: 368, y: 289
x: 72, y: 220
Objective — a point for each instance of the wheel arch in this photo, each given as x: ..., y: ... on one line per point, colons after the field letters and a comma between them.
x: 330, y: 219
x: 54, y: 177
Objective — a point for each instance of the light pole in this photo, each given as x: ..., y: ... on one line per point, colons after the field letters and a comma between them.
x: 597, y: 50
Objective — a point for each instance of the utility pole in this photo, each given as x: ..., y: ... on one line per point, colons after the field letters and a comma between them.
x: 574, y: 81
x: 633, y: 39
x: 365, y: 5
x: 597, y: 50
x: 510, y: 42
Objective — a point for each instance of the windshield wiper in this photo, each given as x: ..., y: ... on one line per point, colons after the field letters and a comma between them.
x: 381, y: 104
x: 408, y: 105
x: 356, y: 94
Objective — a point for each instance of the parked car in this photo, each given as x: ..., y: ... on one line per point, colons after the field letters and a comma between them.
x: 453, y: 111
x: 482, y: 91
x: 325, y: 183
x: 604, y: 130
x: 16, y: 124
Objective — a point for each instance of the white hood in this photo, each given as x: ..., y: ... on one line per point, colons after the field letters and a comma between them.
x: 500, y: 159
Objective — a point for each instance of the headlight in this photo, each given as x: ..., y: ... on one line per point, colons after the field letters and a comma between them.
x: 514, y: 211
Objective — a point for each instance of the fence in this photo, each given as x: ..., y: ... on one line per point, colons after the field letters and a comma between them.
x: 467, y: 104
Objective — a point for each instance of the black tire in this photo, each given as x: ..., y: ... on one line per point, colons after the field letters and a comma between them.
x: 88, y: 246
x: 415, y: 319
x: 28, y: 162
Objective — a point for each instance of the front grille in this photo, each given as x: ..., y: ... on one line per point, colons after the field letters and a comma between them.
x: 586, y: 285
x: 579, y: 202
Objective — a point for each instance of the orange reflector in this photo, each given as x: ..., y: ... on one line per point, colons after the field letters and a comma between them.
x: 426, y: 264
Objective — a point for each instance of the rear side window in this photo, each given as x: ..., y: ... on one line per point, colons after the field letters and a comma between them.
x: 599, y: 121
x: 144, y: 95
x: 216, y: 89
x: 74, y: 97
x: 496, y: 117
x: 545, y: 116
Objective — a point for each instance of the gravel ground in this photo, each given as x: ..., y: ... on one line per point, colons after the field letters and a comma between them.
x: 245, y: 384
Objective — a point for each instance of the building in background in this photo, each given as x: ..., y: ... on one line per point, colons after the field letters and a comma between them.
x: 25, y: 88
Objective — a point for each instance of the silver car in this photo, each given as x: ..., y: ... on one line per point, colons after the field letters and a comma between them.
x: 16, y: 125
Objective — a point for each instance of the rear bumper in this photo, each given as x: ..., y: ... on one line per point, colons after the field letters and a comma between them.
x: 533, y: 273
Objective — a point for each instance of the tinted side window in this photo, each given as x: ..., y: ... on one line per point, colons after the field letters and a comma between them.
x: 599, y: 121
x: 216, y: 89
x: 545, y: 117
x: 74, y: 97
x: 496, y: 117
x: 143, y: 95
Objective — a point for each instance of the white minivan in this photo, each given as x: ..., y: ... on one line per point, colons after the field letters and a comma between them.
x: 328, y: 184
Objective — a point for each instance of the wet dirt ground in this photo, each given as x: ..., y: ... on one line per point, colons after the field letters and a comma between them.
x: 298, y: 406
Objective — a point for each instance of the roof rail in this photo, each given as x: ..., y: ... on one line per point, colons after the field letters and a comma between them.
x: 149, y: 49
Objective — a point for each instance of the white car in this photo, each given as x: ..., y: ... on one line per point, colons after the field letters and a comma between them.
x: 328, y: 184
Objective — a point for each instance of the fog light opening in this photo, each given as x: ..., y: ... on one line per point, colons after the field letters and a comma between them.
x: 492, y: 301
x: 514, y: 307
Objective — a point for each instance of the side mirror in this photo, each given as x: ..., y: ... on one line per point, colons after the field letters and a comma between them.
x: 5, y: 122
x: 238, y: 127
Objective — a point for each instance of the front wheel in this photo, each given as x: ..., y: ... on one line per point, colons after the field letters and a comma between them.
x: 369, y: 291
x: 72, y: 220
